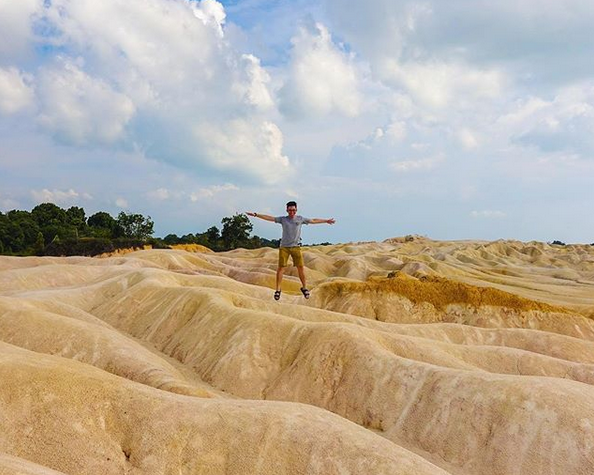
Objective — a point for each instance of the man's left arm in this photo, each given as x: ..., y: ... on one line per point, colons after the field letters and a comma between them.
x: 321, y: 221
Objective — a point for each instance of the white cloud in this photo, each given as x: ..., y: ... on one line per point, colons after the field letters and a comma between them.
x: 322, y: 77
x: 15, y: 93
x: 145, y: 75
x: 211, y: 191
x: 159, y: 194
x: 7, y: 204
x: 421, y: 164
x: 16, y: 27
x: 164, y: 194
x: 390, y: 35
x: 548, y: 38
x: 80, y: 109
x: 397, y: 130
x: 253, y: 88
x: 439, y: 84
x: 122, y: 203
x: 467, y: 139
x: 256, y: 148
x: 59, y: 197
x: 211, y: 13
x: 488, y: 214
x: 565, y: 123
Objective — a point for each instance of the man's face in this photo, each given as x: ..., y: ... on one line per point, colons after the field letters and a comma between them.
x: 291, y: 211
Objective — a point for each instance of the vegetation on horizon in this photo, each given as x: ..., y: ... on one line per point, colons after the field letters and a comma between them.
x: 52, y: 231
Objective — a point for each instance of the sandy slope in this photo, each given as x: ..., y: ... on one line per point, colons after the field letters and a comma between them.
x: 416, y: 357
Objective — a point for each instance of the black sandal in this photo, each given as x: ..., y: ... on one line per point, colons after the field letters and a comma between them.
x: 277, y: 295
x: 305, y: 292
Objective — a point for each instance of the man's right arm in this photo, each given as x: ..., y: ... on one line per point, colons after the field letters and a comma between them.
x: 265, y: 217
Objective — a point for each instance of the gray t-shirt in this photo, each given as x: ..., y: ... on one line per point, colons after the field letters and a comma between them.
x: 291, y: 230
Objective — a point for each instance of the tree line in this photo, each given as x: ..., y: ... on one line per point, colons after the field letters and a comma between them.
x: 53, y: 231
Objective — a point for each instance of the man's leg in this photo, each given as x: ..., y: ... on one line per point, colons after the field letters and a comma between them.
x: 301, y: 271
x: 279, y: 277
x: 283, y: 259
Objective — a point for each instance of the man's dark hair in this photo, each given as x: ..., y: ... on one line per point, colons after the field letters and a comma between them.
x: 292, y: 203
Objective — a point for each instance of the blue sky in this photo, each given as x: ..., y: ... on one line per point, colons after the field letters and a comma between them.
x: 456, y: 120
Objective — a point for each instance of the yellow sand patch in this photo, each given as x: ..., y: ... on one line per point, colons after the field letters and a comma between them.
x: 191, y: 248
x: 438, y: 291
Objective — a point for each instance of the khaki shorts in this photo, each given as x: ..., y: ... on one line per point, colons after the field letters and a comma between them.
x: 294, y: 252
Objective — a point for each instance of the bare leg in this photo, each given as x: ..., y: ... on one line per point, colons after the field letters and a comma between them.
x: 279, y: 277
x: 301, y: 271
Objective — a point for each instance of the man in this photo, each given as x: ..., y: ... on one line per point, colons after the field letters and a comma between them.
x: 291, y: 243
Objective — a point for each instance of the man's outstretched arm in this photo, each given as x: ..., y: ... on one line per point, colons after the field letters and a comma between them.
x: 322, y: 221
x: 265, y: 217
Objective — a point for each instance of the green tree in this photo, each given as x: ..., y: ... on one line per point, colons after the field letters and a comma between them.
x: 101, y: 220
x: 135, y: 226
x: 102, y: 224
x: 188, y: 239
x: 4, y: 223
x: 75, y: 216
x: 16, y: 238
x: 211, y: 238
x: 21, y: 231
x: 52, y: 221
x: 213, y: 234
x: 47, y: 214
x: 236, y: 231
x: 39, y: 244
x: 171, y: 239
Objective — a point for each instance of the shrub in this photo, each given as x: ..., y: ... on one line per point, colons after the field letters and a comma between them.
x: 91, y: 246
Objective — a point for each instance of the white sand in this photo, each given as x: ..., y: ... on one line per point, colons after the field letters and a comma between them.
x: 168, y: 362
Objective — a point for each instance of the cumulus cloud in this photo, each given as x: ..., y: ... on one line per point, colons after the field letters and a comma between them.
x: 256, y: 148
x: 16, y: 25
x: 60, y: 197
x: 565, y: 123
x: 389, y: 34
x: 252, y: 87
x: 533, y: 38
x: 211, y: 191
x: 206, y: 192
x: 439, y: 84
x: 398, y: 148
x: 211, y: 13
x: 146, y: 75
x: 322, y: 77
x: 80, y: 109
x: 15, y: 92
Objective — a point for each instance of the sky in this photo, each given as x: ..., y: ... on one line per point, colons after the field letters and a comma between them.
x: 466, y: 119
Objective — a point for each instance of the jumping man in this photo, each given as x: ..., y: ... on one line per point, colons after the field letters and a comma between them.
x: 290, y: 244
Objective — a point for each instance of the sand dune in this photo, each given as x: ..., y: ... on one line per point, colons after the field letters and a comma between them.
x: 412, y: 357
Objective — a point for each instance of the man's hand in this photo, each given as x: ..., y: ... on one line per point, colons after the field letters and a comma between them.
x: 321, y: 221
x: 265, y: 217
